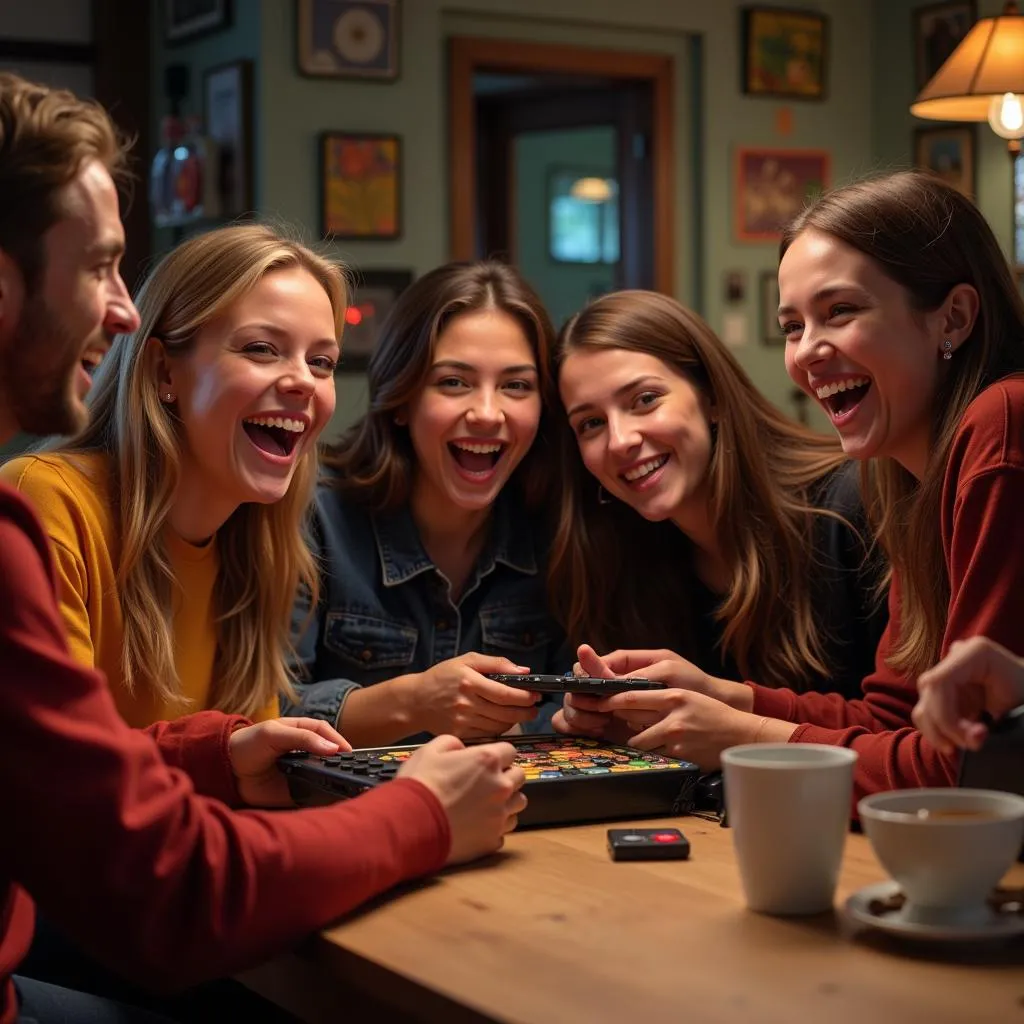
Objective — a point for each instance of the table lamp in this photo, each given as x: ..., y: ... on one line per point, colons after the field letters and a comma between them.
x: 982, y: 79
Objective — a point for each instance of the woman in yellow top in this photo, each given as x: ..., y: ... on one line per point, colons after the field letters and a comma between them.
x: 176, y: 517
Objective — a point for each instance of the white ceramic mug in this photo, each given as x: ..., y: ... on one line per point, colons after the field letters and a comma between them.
x: 789, y: 808
x: 947, y: 848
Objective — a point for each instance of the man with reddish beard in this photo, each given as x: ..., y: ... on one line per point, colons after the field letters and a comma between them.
x: 125, y: 838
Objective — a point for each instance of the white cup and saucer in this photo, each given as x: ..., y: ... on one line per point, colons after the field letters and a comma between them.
x: 946, y: 850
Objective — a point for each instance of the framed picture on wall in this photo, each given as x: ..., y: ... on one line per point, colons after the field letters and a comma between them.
x: 784, y: 53
x: 374, y: 293
x: 186, y: 19
x: 948, y: 152
x: 772, y: 186
x: 360, y: 186
x: 938, y: 30
x: 227, y: 117
x: 348, y: 38
x: 768, y: 296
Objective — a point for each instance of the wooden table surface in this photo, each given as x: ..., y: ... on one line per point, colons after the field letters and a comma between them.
x: 552, y: 930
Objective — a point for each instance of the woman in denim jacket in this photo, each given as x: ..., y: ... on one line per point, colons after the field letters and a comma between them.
x: 431, y: 521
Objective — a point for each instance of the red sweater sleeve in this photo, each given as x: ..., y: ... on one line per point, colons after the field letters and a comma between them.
x: 198, y: 745
x: 116, y: 846
x: 983, y: 495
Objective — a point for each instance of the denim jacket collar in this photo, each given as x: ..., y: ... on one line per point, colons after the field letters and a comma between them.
x: 402, y: 555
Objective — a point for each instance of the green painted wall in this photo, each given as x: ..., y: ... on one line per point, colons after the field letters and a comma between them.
x: 712, y: 116
x: 564, y: 287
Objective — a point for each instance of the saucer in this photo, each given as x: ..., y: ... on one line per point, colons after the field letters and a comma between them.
x: 999, y: 925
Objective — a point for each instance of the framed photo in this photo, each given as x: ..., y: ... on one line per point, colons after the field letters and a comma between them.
x: 186, y: 19
x: 348, y: 38
x: 768, y: 295
x: 947, y: 152
x: 373, y: 295
x: 937, y: 31
x: 227, y: 116
x: 784, y: 53
x: 773, y: 186
x: 360, y: 186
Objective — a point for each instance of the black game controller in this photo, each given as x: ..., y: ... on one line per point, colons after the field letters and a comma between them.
x: 574, y: 684
x: 999, y: 764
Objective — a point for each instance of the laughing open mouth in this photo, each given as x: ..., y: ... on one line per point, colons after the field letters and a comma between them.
x: 842, y: 396
x: 477, y: 458
x: 276, y: 435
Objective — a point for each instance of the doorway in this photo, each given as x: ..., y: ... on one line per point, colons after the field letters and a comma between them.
x: 511, y: 103
x: 565, y: 183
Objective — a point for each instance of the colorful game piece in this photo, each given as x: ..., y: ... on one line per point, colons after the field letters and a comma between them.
x: 569, y: 780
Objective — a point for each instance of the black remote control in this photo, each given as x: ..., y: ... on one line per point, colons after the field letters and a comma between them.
x: 648, y: 844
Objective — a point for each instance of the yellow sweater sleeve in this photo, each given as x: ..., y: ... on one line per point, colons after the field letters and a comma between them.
x: 65, y: 522
x: 272, y: 710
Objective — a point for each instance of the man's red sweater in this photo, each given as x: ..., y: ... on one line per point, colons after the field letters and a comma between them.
x: 982, y: 524
x: 126, y: 839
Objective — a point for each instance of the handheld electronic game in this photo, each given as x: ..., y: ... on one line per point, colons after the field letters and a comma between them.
x: 569, y: 780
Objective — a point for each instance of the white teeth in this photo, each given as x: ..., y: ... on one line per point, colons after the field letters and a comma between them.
x: 835, y: 387
x: 478, y: 449
x: 645, y: 468
x: 285, y: 423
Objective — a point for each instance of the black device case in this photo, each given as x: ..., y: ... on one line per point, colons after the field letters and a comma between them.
x: 999, y: 764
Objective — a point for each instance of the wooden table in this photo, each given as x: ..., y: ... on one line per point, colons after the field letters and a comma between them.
x: 552, y: 930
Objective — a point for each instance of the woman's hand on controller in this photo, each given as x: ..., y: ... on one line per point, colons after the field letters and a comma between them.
x: 479, y: 788
x: 689, y: 725
x: 455, y: 697
x: 253, y: 751
x: 666, y: 667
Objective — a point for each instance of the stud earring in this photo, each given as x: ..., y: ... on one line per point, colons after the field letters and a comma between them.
x: 603, y: 497
x: 168, y: 397
x: 947, y: 349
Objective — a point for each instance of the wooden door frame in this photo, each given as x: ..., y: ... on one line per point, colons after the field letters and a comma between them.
x: 469, y: 54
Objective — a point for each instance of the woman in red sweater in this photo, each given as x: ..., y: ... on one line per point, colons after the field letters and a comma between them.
x: 903, y: 321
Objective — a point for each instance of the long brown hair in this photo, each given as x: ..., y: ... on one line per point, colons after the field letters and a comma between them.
x: 616, y: 578
x: 263, y: 555
x: 375, y: 458
x: 926, y: 237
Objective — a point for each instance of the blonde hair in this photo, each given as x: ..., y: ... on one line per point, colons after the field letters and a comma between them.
x: 263, y: 555
x: 617, y: 579
x: 928, y: 238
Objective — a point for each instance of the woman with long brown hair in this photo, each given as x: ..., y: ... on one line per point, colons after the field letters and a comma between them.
x: 903, y: 321
x: 431, y: 524
x: 696, y: 515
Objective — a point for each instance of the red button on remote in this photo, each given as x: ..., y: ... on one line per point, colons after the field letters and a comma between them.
x: 665, y: 837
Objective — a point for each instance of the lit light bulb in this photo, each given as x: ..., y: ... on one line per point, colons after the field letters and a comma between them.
x: 1006, y: 116
x: 592, y: 190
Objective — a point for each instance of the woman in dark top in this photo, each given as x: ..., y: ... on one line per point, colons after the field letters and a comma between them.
x: 431, y: 523
x: 696, y: 517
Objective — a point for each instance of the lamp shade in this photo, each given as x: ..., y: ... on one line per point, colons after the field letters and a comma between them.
x: 988, y: 63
